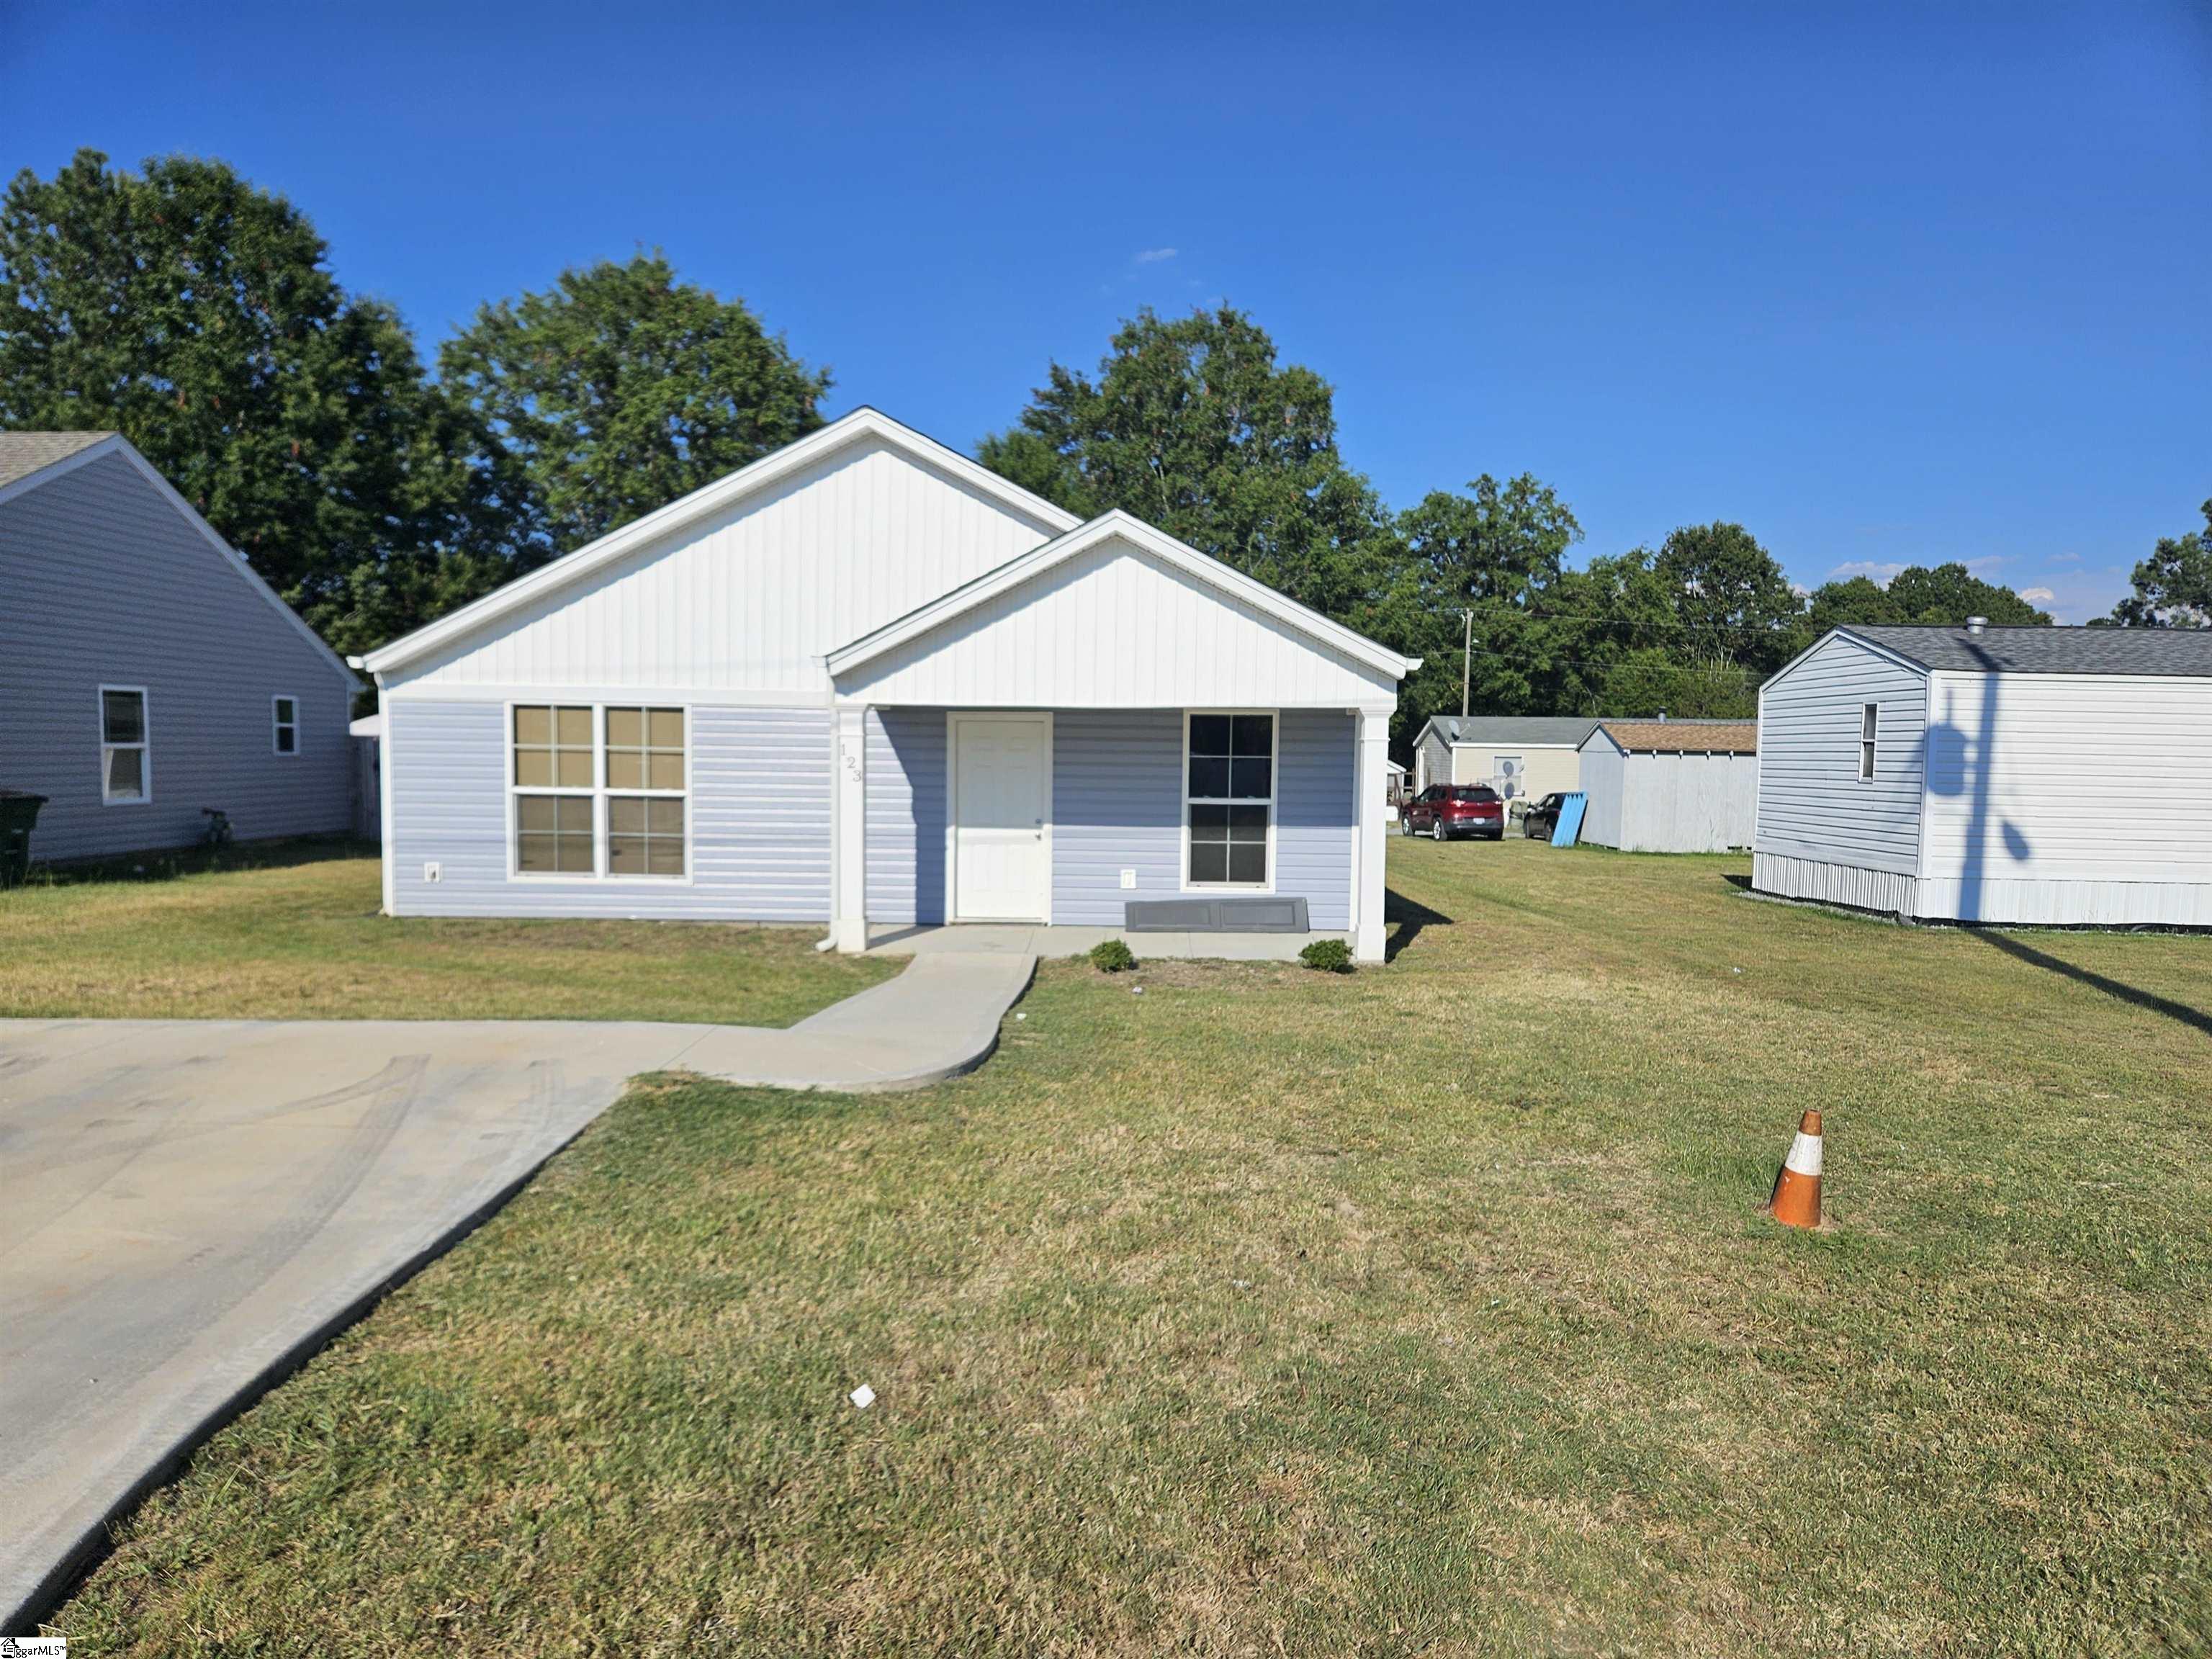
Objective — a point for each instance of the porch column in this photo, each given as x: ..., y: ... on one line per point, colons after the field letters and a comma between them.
x: 1367, y: 897
x: 848, y: 831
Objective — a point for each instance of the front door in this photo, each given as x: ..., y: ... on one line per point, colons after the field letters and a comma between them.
x: 1001, y: 798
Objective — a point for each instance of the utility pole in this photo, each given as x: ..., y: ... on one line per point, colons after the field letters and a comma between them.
x: 1466, y: 662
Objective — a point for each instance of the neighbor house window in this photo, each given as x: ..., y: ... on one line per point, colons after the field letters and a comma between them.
x: 645, y: 791
x: 285, y: 723
x: 1229, y: 794
x: 555, y: 806
x: 1866, y: 719
x: 127, y: 773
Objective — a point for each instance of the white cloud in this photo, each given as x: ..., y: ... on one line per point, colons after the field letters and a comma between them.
x: 1152, y: 256
x: 2037, y: 595
x: 1882, y: 574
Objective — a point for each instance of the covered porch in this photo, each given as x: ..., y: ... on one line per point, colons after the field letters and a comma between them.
x: 1112, y: 720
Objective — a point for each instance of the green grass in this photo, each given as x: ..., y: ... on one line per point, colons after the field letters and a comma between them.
x: 291, y: 932
x: 1424, y: 1310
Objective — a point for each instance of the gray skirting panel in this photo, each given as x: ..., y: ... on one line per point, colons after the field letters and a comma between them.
x: 1258, y: 915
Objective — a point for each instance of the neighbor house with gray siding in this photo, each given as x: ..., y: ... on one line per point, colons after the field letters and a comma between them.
x: 146, y: 671
x: 1997, y: 774
x: 868, y: 683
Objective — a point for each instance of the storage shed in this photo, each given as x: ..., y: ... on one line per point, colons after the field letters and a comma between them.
x: 1668, y: 786
x: 2002, y: 774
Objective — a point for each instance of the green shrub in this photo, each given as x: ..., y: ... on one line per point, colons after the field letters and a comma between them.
x: 1327, y: 956
x: 1112, y: 955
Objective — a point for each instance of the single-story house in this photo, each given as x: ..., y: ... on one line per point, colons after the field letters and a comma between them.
x: 1668, y: 786
x: 146, y: 671
x: 1522, y: 758
x: 2000, y: 774
x: 867, y: 682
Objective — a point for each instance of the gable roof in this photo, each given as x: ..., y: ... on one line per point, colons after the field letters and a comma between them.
x: 717, y: 497
x: 23, y: 454
x: 1461, y: 730
x: 2157, y: 651
x: 1156, y: 544
x: 31, y: 460
x: 1683, y: 737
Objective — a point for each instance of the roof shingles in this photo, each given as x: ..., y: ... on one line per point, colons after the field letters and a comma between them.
x: 2157, y: 651
x: 1685, y: 737
x: 22, y: 453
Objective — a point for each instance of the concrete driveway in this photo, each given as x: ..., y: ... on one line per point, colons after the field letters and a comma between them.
x: 187, y: 1209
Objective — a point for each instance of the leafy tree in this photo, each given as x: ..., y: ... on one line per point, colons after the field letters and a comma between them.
x: 1731, y: 601
x: 2173, y: 586
x: 1497, y: 551
x: 1193, y: 426
x: 613, y: 394
x: 195, y: 313
x: 1652, y: 680
x: 1944, y: 596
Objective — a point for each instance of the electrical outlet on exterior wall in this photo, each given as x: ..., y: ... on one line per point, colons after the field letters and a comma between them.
x: 1129, y: 878
x: 431, y: 872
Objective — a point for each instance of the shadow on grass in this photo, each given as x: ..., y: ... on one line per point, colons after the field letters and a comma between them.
x: 166, y: 864
x: 1405, y: 918
x: 2181, y: 1013
x: 1736, y: 879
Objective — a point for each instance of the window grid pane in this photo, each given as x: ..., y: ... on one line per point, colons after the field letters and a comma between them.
x: 553, y: 748
x: 1231, y: 781
x: 553, y: 835
x: 123, y: 716
x: 645, y: 836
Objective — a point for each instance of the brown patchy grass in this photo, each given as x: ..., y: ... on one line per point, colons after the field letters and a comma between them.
x: 1425, y: 1310
x: 294, y: 934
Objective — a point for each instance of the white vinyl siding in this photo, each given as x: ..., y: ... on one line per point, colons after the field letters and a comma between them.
x: 1812, y: 806
x: 753, y: 601
x: 1115, y: 628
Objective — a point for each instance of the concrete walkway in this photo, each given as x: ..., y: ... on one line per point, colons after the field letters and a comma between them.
x: 188, y: 1208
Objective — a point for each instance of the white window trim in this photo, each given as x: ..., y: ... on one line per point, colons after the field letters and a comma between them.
x: 277, y: 724
x: 1274, y: 795
x: 598, y: 793
x: 144, y: 746
x: 1870, y: 740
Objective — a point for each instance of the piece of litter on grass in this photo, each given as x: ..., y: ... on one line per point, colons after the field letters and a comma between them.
x: 863, y: 1397
x: 1136, y: 990
x: 1736, y: 971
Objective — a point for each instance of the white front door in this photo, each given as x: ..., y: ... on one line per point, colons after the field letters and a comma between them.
x: 1001, y: 800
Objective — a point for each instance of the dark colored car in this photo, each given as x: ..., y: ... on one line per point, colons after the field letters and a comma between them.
x: 1542, y: 819
x: 1444, y: 810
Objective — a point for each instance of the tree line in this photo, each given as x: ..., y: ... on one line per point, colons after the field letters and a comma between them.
x: 198, y: 315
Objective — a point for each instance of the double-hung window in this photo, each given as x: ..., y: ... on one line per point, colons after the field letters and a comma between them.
x: 598, y: 791
x: 1868, y: 716
x: 555, y: 792
x: 645, y: 799
x: 1230, y: 796
x: 126, y: 762
x: 285, y: 725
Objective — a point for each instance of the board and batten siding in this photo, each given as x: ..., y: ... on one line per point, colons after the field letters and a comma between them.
x: 751, y: 601
x: 1648, y: 803
x: 1817, y: 821
x: 1112, y: 627
x: 2092, y: 806
x: 1117, y: 804
x: 759, y: 814
x: 104, y: 581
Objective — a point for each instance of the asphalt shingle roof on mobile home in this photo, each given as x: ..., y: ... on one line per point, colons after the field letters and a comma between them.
x: 22, y: 453
x: 2156, y: 651
x: 1512, y: 728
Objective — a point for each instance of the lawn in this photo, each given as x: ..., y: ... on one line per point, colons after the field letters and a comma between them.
x: 291, y: 932
x: 1425, y: 1310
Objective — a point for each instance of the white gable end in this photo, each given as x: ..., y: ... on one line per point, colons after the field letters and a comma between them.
x: 1114, y: 626
x: 749, y: 600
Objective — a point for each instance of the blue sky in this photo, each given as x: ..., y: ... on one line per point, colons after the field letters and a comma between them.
x: 1889, y: 285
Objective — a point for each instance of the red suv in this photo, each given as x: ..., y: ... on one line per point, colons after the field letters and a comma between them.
x: 1443, y: 810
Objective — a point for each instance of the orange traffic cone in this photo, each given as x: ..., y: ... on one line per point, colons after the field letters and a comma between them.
x: 1796, y: 1200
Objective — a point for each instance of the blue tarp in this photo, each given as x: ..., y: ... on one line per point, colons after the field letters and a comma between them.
x: 1570, y: 819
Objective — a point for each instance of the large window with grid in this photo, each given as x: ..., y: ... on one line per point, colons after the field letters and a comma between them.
x: 600, y: 791
x: 645, y: 791
x: 555, y: 795
x: 1229, y: 791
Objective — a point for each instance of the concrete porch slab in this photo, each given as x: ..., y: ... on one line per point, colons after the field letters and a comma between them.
x: 1017, y: 939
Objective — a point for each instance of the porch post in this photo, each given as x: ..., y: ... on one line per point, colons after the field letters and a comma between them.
x: 1367, y: 898
x: 848, y: 832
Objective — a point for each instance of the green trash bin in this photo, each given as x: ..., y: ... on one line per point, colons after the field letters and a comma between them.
x: 19, y: 810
